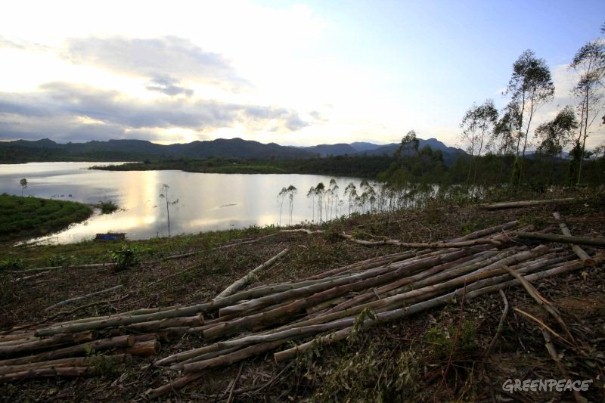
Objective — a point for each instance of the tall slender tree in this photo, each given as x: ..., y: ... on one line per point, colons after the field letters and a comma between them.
x: 477, y: 126
x: 530, y: 87
x: 589, y: 64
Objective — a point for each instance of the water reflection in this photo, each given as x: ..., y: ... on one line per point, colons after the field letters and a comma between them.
x: 206, y: 201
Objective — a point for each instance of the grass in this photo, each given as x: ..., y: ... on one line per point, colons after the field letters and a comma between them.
x: 29, y: 217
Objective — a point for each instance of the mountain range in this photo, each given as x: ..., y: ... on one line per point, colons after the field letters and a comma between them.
x: 130, y: 150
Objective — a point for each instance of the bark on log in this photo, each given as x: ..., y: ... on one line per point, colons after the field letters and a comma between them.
x: 62, y: 362
x: 70, y: 372
x: 562, y: 238
x: 316, y: 294
x: 29, y: 346
x: 190, y: 321
x: 143, y: 348
x: 400, y: 313
x: 85, y: 348
x: 81, y: 297
x: 242, y: 282
x: 525, y: 203
x: 581, y: 253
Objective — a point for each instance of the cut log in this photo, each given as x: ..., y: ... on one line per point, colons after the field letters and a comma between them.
x: 62, y: 362
x: 242, y: 282
x: 397, y: 314
x: 581, y: 253
x: 71, y: 351
x: 143, y: 348
x: 417, y: 245
x: 562, y: 238
x: 526, y: 203
x: 70, y: 372
x: 29, y: 346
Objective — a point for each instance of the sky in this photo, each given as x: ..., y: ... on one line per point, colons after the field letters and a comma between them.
x: 289, y: 72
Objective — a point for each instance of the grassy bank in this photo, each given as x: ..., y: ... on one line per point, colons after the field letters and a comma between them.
x: 438, y: 356
x: 30, y: 217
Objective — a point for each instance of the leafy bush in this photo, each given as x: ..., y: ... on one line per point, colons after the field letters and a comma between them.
x: 126, y: 257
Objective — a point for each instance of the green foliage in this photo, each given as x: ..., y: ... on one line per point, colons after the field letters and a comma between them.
x: 370, y: 375
x: 126, y: 257
x: 12, y: 264
x: 456, y: 341
x: 28, y: 217
x: 107, y: 207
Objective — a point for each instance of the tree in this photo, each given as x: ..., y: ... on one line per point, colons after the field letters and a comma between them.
x: 291, y: 193
x: 23, y: 183
x: 505, y: 137
x: 351, y: 192
x: 477, y: 126
x: 311, y: 193
x: 164, y: 195
x: 408, y: 142
x: 282, y: 194
x: 530, y: 86
x: 556, y: 134
x: 320, y: 190
x: 589, y: 63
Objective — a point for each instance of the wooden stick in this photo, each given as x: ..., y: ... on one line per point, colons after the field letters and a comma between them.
x: 433, y: 245
x: 241, y: 283
x: 525, y: 203
x: 542, y: 302
x: 92, y: 294
x: 581, y: 253
x: 500, y: 324
x: 562, y: 238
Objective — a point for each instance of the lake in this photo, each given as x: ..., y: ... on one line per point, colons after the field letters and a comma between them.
x: 205, y: 201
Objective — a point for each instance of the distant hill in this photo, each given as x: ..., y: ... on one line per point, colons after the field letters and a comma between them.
x: 137, y: 150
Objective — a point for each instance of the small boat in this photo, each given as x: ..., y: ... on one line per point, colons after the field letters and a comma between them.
x: 111, y: 236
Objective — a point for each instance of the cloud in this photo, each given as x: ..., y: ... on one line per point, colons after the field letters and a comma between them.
x: 169, y: 58
x: 69, y: 111
x: 168, y: 86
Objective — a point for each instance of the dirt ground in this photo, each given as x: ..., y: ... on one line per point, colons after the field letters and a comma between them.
x: 441, y: 355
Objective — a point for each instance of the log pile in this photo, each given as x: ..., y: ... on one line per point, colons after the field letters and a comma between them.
x: 318, y: 310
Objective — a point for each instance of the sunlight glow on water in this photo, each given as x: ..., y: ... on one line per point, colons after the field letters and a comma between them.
x: 205, y: 201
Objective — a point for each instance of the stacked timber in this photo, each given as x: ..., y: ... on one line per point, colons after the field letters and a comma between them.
x: 317, y: 310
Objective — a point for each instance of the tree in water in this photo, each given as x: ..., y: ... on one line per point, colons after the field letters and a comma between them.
x: 281, y: 195
x: 164, y: 195
x: 530, y: 87
x: 351, y: 192
x: 320, y: 190
x: 589, y: 63
x: 291, y: 193
x: 23, y: 183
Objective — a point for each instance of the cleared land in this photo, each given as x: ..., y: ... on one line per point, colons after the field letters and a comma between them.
x: 442, y: 354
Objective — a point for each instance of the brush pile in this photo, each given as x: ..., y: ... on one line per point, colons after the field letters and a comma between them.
x: 317, y: 310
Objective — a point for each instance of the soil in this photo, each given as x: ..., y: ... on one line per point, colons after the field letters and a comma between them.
x: 440, y: 355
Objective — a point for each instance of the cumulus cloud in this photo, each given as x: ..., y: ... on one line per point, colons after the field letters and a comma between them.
x: 69, y: 111
x: 170, y: 58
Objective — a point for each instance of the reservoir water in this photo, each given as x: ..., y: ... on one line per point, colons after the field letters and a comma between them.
x: 201, y: 202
